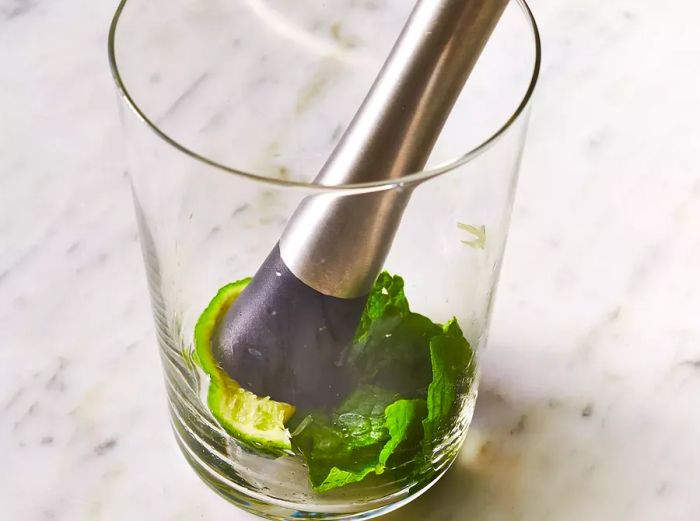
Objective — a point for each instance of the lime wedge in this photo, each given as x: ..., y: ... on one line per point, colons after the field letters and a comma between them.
x: 257, y: 422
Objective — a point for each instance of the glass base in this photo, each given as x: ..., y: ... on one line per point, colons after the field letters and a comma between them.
x: 278, y: 488
x: 207, y: 464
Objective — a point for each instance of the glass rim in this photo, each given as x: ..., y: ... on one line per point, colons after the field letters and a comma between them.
x: 372, y: 186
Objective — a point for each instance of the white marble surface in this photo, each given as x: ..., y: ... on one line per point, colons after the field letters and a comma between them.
x: 590, y: 403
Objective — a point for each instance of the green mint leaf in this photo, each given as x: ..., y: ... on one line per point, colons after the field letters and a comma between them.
x: 370, y: 432
x: 344, y: 447
x: 396, y: 355
x: 361, y: 416
x: 404, y: 423
x: 339, y: 478
x: 323, y: 447
x: 391, y: 346
x: 451, y: 358
x: 386, y: 297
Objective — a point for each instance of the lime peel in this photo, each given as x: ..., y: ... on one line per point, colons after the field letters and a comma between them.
x: 258, y: 422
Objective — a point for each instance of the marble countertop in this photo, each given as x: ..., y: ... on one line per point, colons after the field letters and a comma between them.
x: 589, y: 406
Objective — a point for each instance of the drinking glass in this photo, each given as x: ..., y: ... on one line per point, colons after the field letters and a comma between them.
x: 229, y: 110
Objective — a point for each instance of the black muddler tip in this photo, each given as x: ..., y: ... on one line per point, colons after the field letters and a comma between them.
x: 283, y: 339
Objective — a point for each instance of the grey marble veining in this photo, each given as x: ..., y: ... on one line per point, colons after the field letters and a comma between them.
x: 589, y: 403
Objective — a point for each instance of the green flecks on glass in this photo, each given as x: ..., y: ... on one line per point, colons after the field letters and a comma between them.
x: 479, y: 233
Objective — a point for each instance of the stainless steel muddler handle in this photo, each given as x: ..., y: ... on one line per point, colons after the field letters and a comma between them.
x: 287, y: 335
x: 338, y: 244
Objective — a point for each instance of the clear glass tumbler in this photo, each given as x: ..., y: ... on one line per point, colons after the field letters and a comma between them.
x: 230, y: 108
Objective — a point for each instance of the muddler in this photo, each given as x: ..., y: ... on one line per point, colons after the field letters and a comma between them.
x: 288, y: 334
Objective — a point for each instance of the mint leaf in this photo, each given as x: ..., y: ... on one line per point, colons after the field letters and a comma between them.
x: 396, y: 355
x: 403, y: 421
x: 321, y: 444
x: 339, y: 478
x: 370, y: 432
x: 452, y: 363
x: 361, y: 416
x: 344, y: 447
x: 403, y: 424
x: 386, y: 297
x: 391, y: 346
